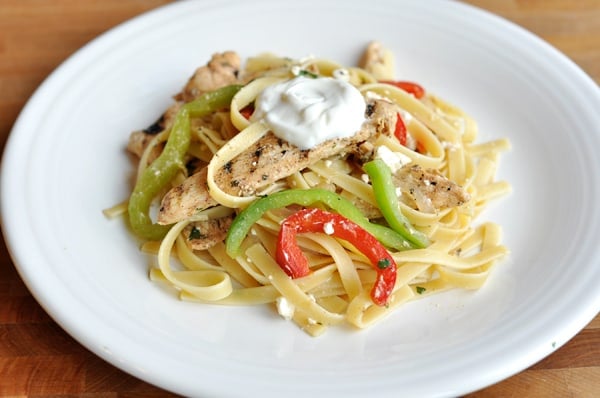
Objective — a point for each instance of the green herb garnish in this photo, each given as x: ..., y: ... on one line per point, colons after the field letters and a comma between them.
x: 307, y: 73
x: 383, y: 263
x: 195, y: 234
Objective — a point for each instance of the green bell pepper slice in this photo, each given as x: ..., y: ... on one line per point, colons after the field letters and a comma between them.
x: 164, y: 168
x: 385, y: 195
x: 306, y: 197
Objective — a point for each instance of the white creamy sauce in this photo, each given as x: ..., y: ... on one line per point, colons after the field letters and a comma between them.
x: 307, y: 112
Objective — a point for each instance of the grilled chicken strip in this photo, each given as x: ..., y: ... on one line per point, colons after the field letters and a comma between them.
x: 203, y: 235
x: 186, y: 199
x: 268, y: 160
x: 429, y: 190
x: 271, y: 158
x: 379, y: 61
x: 139, y: 140
x: 222, y: 70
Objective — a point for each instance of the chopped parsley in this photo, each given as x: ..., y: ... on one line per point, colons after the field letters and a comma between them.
x: 195, y: 234
x: 421, y: 289
x: 383, y: 263
x: 307, y: 73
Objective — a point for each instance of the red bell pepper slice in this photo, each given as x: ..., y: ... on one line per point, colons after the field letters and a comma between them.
x: 400, y: 130
x: 247, y: 111
x: 412, y: 88
x: 290, y: 258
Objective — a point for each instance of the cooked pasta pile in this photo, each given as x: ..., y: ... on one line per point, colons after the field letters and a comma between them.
x: 226, y: 241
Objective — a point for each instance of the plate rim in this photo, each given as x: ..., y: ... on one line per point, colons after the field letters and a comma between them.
x: 38, y: 96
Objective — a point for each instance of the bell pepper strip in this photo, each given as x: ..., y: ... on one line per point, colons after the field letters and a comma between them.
x: 162, y: 170
x: 307, y: 197
x: 247, y: 111
x: 387, y: 199
x: 412, y: 88
x: 400, y: 130
x: 290, y: 258
x: 421, y: 148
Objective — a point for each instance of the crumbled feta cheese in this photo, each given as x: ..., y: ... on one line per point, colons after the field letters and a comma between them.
x: 372, y: 95
x: 365, y: 178
x: 460, y: 125
x: 406, y: 116
x: 307, y: 59
x: 394, y: 160
x: 450, y: 145
x: 285, y: 308
x: 328, y: 228
x: 301, y: 64
x: 411, y: 142
x: 341, y: 74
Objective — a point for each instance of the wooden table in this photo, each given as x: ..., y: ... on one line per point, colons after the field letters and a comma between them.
x: 38, y: 358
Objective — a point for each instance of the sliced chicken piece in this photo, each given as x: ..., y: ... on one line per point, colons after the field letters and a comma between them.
x: 139, y: 140
x: 203, y: 235
x: 379, y: 61
x: 186, y: 199
x: 271, y: 158
x: 222, y: 70
x: 267, y: 161
x: 384, y: 116
x: 430, y: 190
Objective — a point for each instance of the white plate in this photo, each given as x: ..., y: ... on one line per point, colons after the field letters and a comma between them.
x: 65, y: 162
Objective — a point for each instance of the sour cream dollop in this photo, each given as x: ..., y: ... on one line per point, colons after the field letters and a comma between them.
x: 306, y: 111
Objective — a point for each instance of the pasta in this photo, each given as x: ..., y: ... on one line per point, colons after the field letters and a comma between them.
x: 425, y: 144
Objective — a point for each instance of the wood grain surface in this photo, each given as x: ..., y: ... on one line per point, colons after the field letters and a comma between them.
x: 37, y: 358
